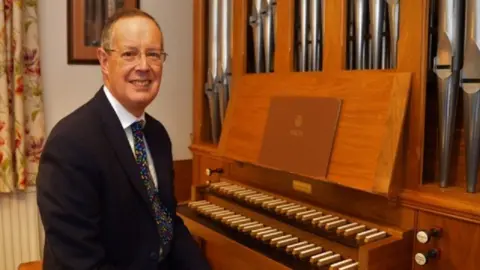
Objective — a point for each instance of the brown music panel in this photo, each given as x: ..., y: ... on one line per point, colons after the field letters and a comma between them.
x: 369, y: 126
x: 299, y: 134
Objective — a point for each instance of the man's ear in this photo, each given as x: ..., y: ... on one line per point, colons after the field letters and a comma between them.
x: 102, y: 57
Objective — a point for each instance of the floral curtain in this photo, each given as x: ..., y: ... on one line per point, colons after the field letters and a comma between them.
x: 22, y: 128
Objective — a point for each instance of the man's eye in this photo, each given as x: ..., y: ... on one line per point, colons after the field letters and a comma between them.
x: 154, y: 55
x: 128, y: 54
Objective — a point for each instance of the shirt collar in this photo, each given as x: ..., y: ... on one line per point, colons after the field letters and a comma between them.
x: 125, y: 117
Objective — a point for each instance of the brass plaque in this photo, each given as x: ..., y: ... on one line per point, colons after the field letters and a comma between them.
x: 302, y: 186
x: 299, y: 134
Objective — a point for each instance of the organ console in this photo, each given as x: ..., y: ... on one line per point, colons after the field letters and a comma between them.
x: 328, y: 134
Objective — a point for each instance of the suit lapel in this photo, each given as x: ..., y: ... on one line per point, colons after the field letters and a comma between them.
x: 118, y: 140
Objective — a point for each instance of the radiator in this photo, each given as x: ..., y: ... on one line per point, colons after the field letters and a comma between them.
x: 20, y: 237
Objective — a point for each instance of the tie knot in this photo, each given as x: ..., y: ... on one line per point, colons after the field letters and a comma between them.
x: 138, y: 125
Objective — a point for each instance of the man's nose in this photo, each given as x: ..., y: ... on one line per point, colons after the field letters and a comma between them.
x: 142, y: 63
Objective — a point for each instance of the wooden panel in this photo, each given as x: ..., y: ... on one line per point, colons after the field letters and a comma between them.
x: 458, y: 244
x: 201, y: 120
x: 220, y: 257
x: 239, y: 54
x: 389, y: 254
x: 183, y: 179
x: 335, y: 20
x: 412, y: 57
x: 367, y: 138
x: 451, y: 202
x: 242, y: 255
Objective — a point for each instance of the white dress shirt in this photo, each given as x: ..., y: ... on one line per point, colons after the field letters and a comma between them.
x: 127, y: 119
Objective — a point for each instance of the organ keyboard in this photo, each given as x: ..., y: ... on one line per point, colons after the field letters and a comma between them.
x: 294, y: 234
x: 276, y: 238
x: 322, y: 223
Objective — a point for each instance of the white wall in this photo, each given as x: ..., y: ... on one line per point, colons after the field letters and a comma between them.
x: 66, y: 87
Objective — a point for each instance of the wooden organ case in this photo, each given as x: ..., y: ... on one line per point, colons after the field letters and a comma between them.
x: 321, y: 135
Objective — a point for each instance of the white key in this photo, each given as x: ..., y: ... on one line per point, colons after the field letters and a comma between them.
x: 352, y: 266
x: 365, y: 233
x: 317, y: 257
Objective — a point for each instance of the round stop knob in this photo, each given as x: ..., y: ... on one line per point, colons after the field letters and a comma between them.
x: 425, y: 235
x: 209, y: 171
x: 423, y: 258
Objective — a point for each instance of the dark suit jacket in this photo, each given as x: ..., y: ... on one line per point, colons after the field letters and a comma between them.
x: 94, y: 206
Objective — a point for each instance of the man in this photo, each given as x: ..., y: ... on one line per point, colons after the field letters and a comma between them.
x: 105, y: 183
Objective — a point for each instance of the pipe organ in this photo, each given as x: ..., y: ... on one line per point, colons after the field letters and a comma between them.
x: 336, y: 134
x: 373, y: 33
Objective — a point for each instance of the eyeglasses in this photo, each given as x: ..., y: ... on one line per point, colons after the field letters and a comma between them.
x: 154, y: 57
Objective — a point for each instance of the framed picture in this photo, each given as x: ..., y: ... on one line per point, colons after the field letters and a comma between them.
x: 86, y: 19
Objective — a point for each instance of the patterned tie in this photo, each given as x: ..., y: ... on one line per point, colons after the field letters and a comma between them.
x: 160, y: 213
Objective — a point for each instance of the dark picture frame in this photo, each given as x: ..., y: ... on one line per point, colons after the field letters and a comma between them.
x: 85, y: 20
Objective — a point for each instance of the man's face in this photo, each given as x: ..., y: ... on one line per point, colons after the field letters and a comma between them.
x: 133, y: 68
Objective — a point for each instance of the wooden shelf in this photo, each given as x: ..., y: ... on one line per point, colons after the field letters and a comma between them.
x: 452, y: 201
x: 204, y: 148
